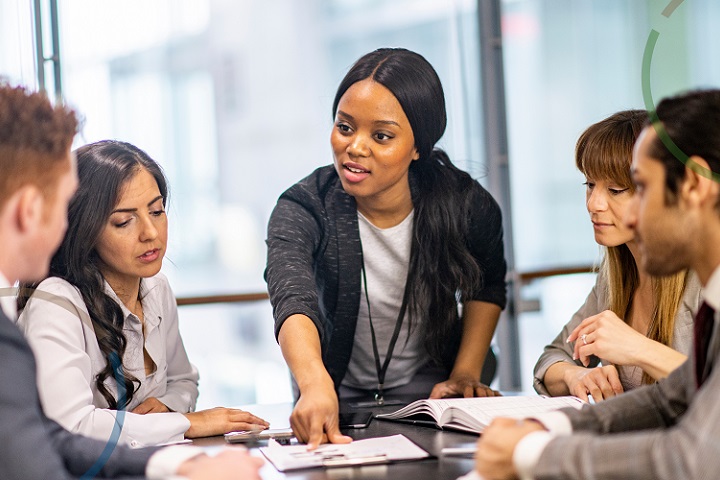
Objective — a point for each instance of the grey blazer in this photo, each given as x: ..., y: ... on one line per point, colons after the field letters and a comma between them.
x: 666, y: 431
x: 31, y: 445
x: 561, y: 351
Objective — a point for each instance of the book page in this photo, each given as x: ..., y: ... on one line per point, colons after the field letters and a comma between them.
x: 474, y: 414
x: 432, y: 408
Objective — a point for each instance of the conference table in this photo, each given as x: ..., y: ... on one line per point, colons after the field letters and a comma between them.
x: 437, y: 467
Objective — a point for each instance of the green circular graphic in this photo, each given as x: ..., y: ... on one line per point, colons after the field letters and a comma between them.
x: 650, y: 104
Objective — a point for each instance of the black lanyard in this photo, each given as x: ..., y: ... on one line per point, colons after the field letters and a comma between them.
x: 381, y: 370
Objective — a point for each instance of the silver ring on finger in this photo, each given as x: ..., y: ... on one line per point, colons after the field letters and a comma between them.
x: 583, y: 337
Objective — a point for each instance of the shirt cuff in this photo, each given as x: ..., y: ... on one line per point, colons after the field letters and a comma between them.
x: 165, y: 462
x: 527, y: 453
x: 555, y: 422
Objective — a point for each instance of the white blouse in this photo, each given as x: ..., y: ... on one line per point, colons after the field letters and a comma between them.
x: 58, y: 328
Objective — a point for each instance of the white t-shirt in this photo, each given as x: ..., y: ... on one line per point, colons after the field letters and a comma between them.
x: 386, y: 256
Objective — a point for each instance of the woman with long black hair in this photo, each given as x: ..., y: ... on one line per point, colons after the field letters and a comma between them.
x: 385, y: 270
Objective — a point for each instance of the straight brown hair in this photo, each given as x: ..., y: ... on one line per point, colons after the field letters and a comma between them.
x: 604, y: 151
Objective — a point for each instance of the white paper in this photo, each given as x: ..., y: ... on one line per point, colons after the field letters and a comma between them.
x: 372, y: 450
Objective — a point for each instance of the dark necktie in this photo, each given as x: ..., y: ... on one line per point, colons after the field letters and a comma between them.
x: 703, y: 330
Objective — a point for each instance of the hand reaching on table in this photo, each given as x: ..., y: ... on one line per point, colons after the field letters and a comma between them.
x: 600, y: 382
x: 314, y: 419
x: 462, y: 386
x: 219, y: 420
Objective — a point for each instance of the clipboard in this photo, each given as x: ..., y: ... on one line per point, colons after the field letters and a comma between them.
x: 370, y: 451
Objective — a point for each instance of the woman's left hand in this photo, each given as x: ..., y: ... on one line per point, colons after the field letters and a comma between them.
x: 151, y: 405
x: 462, y: 386
x: 606, y: 336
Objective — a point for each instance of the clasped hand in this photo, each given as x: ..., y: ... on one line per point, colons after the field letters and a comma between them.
x: 608, y: 337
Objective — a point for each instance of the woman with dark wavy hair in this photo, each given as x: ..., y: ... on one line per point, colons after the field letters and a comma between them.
x: 385, y: 270
x: 104, y: 325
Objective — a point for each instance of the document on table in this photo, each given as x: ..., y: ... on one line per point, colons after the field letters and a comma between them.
x: 360, y: 452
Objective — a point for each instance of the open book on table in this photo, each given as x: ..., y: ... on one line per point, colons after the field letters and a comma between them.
x: 474, y: 414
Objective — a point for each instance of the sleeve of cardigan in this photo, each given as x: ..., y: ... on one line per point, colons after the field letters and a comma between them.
x: 561, y: 351
x: 293, y: 239
x: 486, y: 245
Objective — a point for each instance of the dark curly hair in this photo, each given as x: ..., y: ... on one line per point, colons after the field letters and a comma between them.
x: 103, y: 169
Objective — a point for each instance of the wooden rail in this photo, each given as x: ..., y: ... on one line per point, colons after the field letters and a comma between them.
x: 523, y: 277
x: 527, y: 277
x: 230, y: 298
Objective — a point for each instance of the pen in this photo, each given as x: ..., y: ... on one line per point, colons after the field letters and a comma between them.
x: 352, y: 461
x: 449, y: 451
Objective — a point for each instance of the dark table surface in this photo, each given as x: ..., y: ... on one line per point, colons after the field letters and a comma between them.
x: 430, y: 439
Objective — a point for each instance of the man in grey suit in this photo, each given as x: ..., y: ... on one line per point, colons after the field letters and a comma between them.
x: 37, y: 180
x: 669, y: 430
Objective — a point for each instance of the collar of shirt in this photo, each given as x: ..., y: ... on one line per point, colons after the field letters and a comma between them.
x: 711, y: 292
x: 7, y: 301
x: 147, y: 291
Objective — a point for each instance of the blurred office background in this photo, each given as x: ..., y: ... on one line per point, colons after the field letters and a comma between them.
x: 234, y: 98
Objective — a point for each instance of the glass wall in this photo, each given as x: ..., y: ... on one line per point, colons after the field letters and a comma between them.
x: 17, y: 63
x: 568, y: 64
x: 234, y: 100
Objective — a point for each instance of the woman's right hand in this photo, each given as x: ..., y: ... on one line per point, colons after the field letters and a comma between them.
x: 314, y: 419
x: 219, y: 420
x: 600, y: 382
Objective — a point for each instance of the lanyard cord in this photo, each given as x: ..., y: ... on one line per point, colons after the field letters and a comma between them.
x: 381, y: 370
